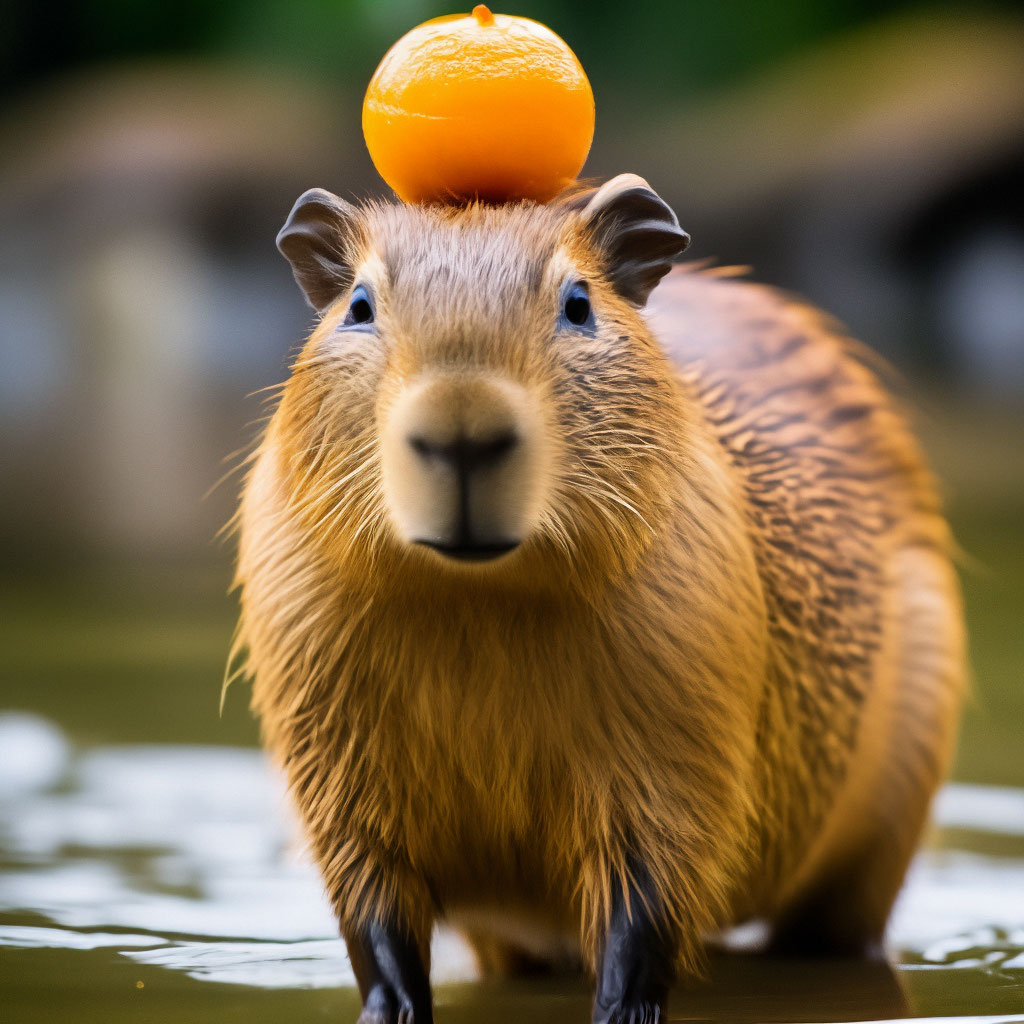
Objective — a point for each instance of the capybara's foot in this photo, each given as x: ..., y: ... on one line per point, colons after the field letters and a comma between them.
x: 636, y: 966
x: 385, y: 1006
x: 391, y: 974
x: 631, y: 1011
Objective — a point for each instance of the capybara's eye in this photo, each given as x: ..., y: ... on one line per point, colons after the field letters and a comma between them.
x: 576, y: 307
x: 360, y: 309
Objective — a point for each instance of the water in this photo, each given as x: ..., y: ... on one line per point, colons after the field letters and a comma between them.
x: 149, y: 871
x: 167, y: 882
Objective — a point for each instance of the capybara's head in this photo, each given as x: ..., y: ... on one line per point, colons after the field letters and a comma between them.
x: 482, y: 398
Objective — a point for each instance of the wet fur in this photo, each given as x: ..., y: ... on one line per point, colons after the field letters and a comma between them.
x: 732, y: 651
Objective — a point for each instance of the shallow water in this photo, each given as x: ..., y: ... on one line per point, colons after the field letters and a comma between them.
x: 149, y: 879
x: 164, y: 882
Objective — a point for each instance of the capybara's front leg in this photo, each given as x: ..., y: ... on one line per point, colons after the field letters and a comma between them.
x: 392, y: 977
x: 637, y: 963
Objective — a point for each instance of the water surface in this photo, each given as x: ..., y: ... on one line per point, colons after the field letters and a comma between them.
x: 149, y: 871
x: 166, y: 882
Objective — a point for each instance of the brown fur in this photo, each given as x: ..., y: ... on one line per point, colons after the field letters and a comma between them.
x: 731, y: 648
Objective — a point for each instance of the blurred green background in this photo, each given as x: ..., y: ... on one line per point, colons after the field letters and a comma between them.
x: 650, y: 48
x: 867, y: 155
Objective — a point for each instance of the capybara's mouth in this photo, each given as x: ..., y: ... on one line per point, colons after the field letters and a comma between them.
x: 471, y: 552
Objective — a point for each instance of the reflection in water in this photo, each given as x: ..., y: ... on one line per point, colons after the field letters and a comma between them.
x: 183, y: 860
x: 758, y: 989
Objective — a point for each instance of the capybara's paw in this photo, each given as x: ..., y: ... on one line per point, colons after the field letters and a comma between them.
x: 630, y: 1011
x: 385, y: 1006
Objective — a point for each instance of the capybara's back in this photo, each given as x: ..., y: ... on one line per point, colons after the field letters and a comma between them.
x: 589, y: 630
x: 863, y: 604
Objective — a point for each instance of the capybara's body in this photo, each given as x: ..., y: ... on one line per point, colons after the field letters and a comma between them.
x: 717, y: 678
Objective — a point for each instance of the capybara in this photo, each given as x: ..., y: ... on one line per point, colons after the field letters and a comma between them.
x: 588, y: 614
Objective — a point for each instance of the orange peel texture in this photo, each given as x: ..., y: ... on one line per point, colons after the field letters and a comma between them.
x: 479, y: 105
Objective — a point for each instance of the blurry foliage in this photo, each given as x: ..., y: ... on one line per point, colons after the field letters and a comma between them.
x: 648, y: 48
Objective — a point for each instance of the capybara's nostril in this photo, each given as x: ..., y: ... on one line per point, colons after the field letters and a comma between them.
x: 465, y: 455
x: 487, y: 453
x: 426, y: 449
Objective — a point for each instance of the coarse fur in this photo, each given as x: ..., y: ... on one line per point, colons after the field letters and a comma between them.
x: 729, y: 647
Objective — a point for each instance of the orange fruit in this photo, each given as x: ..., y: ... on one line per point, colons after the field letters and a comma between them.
x: 479, y: 105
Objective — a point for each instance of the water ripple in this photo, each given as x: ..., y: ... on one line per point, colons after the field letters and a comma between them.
x: 186, y: 858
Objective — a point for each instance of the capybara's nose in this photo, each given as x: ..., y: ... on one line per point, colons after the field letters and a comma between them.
x: 464, y: 463
x: 465, y: 456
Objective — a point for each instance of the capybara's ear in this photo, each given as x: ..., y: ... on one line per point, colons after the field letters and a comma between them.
x: 636, y: 230
x: 317, y: 241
